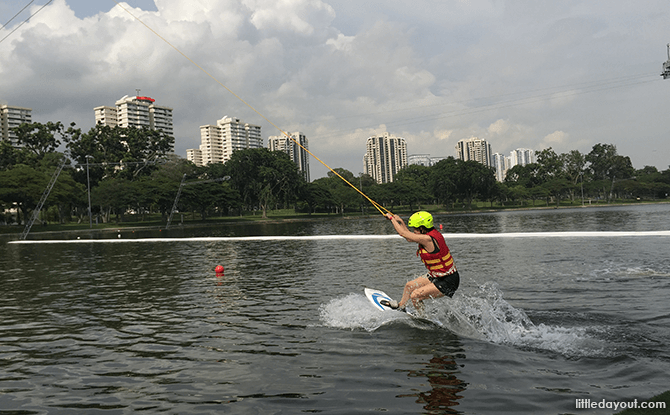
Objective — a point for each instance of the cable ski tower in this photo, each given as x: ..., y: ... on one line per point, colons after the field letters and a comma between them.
x: 45, y: 195
x: 666, y: 66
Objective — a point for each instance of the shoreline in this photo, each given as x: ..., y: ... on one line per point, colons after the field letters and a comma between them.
x: 12, y: 231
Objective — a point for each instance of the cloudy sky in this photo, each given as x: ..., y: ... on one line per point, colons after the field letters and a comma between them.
x: 520, y: 73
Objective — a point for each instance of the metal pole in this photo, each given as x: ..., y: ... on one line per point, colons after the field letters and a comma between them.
x: 45, y: 195
x: 582, y: 174
x: 176, y: 200
x: 88, y: 181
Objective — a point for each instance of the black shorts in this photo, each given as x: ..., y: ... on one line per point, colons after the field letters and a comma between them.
x: 447, y: 284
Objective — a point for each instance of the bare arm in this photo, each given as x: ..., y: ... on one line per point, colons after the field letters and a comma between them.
x: 402, y: 229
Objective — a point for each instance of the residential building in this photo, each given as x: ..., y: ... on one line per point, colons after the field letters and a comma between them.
x: 419, y: 159
x: 160, y: 118
x: 194, y: 155
x: 219, y: 141
x: 106, y: 116
x: 297, y: 153
x: 501, y: 165
x: 423, y: 160
x: 11, y: 117
x: 476, y: 149
x: 521, y: 156
x: 136, y: 111
x: 385, y: 156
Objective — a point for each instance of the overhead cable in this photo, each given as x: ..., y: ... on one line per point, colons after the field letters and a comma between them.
x: 23, y: 22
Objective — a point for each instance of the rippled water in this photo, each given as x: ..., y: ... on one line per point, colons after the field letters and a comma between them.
x: 118, y: 328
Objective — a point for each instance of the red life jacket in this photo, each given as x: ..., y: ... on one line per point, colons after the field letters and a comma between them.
x: 440, y: 263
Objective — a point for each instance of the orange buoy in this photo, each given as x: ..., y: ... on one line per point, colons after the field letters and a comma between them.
x: 219, y: 270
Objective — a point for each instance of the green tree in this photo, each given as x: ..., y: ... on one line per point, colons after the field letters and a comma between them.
x: 414, y: 183
x: 647, y: 182
x: 35, y: 141
x: 552, y: 174
x: 517, y: 192
x: 528, y: 177
x: 207, y: 197
x: 113, y: 195
x: 9, y: 155
x: 262, y: 177
x: 606, y: 166
x: 574, y: 165
x: 116, y: 151
x: 344, y: 196
x: 38, y: 138
x: 22, y: 185
x: 441, y: 180
x: 601, y: 161
x: 469, y: 180
x: 315, y: 194
x: 163, y: 184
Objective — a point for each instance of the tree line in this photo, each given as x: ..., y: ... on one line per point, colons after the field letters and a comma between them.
x: 134, y: 170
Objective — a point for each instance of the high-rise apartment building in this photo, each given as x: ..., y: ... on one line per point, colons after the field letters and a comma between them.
x: 219, y: 141
x: 136, y: 111
x: 420, y: 160
x: 194, y: 155
x: 423, y: 160
x: 385, y: 156
x: 106, y: 116
x: 290, y: 146
x: 501, y: 165
x: 476, y: 149
x: 521, y: 156
x: 11, y: 117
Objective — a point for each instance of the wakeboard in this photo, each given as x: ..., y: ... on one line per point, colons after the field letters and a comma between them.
x: 376, y: 296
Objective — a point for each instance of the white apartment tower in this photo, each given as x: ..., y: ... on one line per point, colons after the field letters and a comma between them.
x: 290, y: 146
x: 219, y: 141
x: 521, y: 156
x: 423, y: 160
x: 106, y: 116
x: 385, y: 156
x: 194, y: 155
x: 420, y: 160
x: 136, y: 111
x: 11, y: 117
x: 474, y: 149
x: 501, y: 165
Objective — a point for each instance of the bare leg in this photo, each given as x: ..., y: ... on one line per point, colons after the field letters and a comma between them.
x: 423, y: 293
x: 418, y: 290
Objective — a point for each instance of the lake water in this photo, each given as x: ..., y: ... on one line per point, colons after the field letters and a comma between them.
x: 121, y: 322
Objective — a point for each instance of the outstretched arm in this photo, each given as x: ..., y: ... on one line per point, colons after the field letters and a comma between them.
x: 400, y: 226
x: 402, y: 229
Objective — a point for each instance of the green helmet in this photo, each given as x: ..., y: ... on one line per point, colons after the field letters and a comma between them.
x: 421, y: 218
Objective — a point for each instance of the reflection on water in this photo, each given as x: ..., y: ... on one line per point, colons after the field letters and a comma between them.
x: 440, y: 385
x: 442, y: 375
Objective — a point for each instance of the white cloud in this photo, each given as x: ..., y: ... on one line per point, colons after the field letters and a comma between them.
x: 519, y: 73
x: 498, y: 127
x: 303, y: 17
x: 341, y: 42
x: 554, y: 140
x: 442, y: 134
